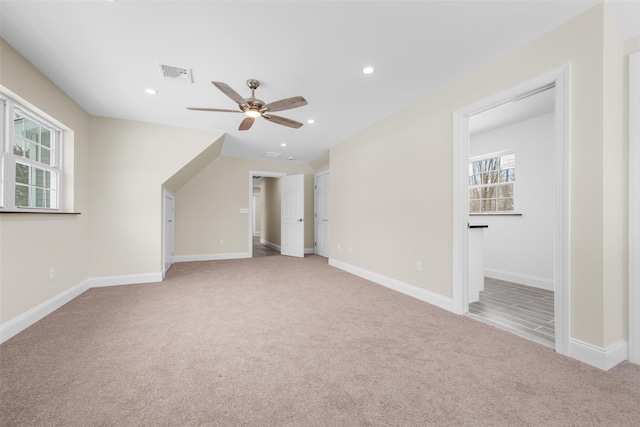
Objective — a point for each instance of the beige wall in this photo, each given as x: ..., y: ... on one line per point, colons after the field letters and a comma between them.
x: 30, y: 244
x: 632, y: 45
x: 272, y: 210
x: 321, y: 163
x: 615, y: 160
x: 396, y: 208
x: 259, y: 208
x: 129, y: 163
x: 208, y: 206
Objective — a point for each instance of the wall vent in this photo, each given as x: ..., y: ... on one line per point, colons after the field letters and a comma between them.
x: 176, y: 73
x: 272, y: 154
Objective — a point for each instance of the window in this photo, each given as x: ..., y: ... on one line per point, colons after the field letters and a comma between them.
x: 491, y: 183
x: 30, y: 160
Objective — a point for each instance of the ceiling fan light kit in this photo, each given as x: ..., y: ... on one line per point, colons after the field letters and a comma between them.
x: 254, y: 108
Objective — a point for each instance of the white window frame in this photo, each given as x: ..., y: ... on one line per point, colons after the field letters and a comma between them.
x: 8, y: 159
x: 479, y: 186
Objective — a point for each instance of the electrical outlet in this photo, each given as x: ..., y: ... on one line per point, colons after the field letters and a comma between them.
x: 419, y: 266
x: 221, y: 242
x: 52, y: 273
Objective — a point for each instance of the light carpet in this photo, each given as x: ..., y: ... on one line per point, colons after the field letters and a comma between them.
x: 280, y: 341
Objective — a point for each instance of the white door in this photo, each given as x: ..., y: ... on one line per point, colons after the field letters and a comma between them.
x: 322, y: 214
x: 169, y: 221
x: 292, y: 215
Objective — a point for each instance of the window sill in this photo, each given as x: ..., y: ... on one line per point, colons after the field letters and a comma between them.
x: 495, y: 214
x: 27, y: 211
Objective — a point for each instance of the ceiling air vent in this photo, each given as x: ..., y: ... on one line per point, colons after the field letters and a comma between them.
x: 176, y: 73
x: 272, y: 154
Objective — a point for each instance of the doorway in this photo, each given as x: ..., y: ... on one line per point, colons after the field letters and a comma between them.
x: 169, y: 231
x: 287, y: 216
x: 259, y: 248
x: 558, y: 78
x: 634, y: 208
x: 267, y: 181
x: 511, y: 198
x: 321, y: 208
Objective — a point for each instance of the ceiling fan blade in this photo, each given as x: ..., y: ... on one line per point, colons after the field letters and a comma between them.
x: 247, y: 123
x: 226, y: 89
x: 221, y: 110
x: 286, y: 104
x: 282, y: 121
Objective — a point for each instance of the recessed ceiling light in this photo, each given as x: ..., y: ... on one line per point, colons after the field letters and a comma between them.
x: 151, y: 91
x: 367, y: 70
x: 311, y: 121
x: 283, y: 145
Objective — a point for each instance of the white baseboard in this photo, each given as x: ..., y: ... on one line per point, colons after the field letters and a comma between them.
x: 210, y: 257
x: 307, y: 251
x: 27, y: 319
x: 271, y: 245
x: 131, y: 279
x: 602, y: 358
x: 404, y: 288
x: 536, y: 282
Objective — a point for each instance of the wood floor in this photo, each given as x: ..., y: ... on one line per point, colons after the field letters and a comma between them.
x: 262, y: 250
x: 523, y: 310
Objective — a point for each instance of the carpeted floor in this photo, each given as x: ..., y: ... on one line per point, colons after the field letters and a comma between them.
x: 279, y: 341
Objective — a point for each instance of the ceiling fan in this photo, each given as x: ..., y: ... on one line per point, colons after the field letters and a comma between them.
x: 254, y: 108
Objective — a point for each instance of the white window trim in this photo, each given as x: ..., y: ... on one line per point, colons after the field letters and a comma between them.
x: 7, y: 169
x: 491, y: 156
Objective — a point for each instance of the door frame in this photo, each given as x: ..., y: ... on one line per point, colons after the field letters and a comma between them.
x: 562, y: 261
x: 292, y: 184
x: 634, y: 208
x: 315, y: 209
x: 250, y: 227
x: 167, y: 195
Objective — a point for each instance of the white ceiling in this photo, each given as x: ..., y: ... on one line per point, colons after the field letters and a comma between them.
x: 104, y: 54
x: 513, y: 112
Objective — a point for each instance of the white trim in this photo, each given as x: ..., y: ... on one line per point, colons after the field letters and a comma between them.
x: 27, y: 319
x: 561, y: 77
x: 562, y: 263
x: 131, y: 279
x: 167, y: 195
x: 315, y: 208
x: 404, y: 288
x: 271, y: 245
x: 601, y: 358
x: 524, y: 279
x: 460, y: 211
x: 307, y: 251
x: 211, y: 257
x: 634, y: 208
x: 12, y: 107
x: 250, y: 216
